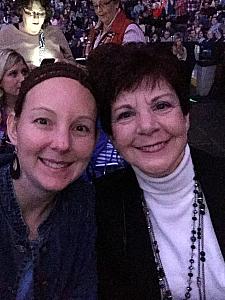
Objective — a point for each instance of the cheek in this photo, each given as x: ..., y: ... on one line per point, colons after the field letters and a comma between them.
x: 84, y: 148
x: 123, y: 134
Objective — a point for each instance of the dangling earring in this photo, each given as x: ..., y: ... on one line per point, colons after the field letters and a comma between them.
x: 15, y: 166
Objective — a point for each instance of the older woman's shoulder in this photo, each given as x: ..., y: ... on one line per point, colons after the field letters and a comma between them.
x: 205, y: 162
x: 116, y: 181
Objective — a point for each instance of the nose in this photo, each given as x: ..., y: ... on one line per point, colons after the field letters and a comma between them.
x: 147, y: 123
x: 61, y: 140
x: 36, y: 16
x: 21, y: 77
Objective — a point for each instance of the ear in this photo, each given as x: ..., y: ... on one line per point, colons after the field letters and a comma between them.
x: 12, y: 128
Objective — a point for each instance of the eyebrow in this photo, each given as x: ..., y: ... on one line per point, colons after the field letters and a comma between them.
x: 153, y: 101
x: 52, y: 112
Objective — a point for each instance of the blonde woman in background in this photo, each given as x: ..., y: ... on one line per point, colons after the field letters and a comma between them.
x: 13, y: 70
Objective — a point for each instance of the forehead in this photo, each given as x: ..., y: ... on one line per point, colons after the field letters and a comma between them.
x: 148, y: 89
x: 35, y: 5
x: 61, y: 95
x: 17, y: 65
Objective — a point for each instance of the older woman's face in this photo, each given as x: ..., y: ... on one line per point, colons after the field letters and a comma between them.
x: 149, y: 128
x: 33, y: 18
x: 105, y: 10
x: 55, y: 134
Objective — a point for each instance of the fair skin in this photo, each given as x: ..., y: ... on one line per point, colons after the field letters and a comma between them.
x: 105, y: 10
x: 11, y: 82
x: 13, y: 78
x: 149, y: 128
x: 33, y: 18
x: 54, y: 136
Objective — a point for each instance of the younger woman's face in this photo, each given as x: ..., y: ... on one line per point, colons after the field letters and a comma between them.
x: 13, y: 78
x: 55, y: 134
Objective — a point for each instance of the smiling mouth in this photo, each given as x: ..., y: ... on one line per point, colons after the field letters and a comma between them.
x: 153, y: 148
x: 55, y: 164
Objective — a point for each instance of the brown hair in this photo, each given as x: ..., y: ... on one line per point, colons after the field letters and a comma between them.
x: 116, y: 68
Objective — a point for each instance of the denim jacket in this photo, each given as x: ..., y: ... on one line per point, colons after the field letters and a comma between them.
x: 64, y: 264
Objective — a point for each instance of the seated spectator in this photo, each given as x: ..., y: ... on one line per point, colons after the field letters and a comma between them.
x: 155, y: 38
x: 166, y: 37
x: 208, y: 47
x: 170, y: 28
x: 32, y: 38
x: 137, y: 10
x: 13, y: 70
x: 215, y: 25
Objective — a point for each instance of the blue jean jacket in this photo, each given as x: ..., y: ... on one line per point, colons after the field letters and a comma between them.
x: 64, y: 264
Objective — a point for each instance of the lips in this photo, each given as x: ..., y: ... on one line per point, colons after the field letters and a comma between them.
x: 55, y: 164
x: 152, y: 148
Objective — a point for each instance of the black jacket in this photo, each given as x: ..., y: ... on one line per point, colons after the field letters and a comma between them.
x: 125, y: 259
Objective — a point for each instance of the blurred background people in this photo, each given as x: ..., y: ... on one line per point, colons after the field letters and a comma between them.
x: 47, y: 218
x: 13, y: 70
x: 31, y: 38
x: 178, y: 49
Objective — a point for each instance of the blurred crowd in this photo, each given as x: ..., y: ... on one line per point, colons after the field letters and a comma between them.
x: 189, y: 20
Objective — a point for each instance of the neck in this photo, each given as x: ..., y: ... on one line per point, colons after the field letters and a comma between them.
x: 35, y: 205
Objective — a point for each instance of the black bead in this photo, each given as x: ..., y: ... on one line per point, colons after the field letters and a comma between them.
x: 193, y: 231
x: 193, y: 238
x: 191, y: 261
x: 188, y: 295
x: 202, y: 259
x: 193, y: 247
x: 195, y: 204
x: 202, y: 253
x: 190, y: 274
x: 194, y: 218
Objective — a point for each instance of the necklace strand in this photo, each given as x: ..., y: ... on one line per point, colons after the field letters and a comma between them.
x: 197, y: 235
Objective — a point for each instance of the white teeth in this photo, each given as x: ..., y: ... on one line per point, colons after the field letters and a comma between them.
x: 55, y: 165
x: 153, y: 147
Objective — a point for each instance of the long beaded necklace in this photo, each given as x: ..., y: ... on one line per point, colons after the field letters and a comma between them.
x: 197, y: 242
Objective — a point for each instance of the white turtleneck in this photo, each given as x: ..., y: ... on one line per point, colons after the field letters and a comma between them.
x: 170, y: 200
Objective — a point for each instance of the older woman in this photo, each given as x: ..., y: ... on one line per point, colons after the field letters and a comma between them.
x: 13, y: 70
x: 46, y: 213
x: 113, y: 26
x: 32, y: 38
x: 160, y: 221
